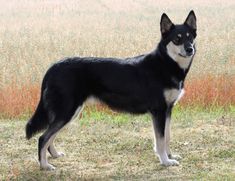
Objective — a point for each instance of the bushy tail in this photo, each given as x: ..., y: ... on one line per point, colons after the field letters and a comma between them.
x: 38, y: 122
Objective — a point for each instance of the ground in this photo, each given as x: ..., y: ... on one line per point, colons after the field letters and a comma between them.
x: 102, y: 146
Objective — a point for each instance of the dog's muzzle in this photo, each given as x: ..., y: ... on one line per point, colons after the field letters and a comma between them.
x: 189, y: 51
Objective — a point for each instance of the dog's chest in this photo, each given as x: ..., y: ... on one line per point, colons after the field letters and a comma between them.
x: 172, y: 96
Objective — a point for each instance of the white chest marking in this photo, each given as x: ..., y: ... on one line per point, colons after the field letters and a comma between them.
x: 173, y: 95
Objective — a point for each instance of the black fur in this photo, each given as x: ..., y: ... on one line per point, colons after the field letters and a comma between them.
x: 38, y: 122
x: 135, y: 85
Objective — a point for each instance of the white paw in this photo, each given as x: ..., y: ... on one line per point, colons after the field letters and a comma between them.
x: 175, y: 157
x: 47, y: 166
x: 170, y: 162
x: 59, y: 154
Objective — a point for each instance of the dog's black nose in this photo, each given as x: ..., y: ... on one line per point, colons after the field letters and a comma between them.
x: 189, y: 51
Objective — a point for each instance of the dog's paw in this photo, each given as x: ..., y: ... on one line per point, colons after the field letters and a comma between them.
x: 48, y: 167
x: 59, y: 154
x: 175, y: 157
x: 170, y: 162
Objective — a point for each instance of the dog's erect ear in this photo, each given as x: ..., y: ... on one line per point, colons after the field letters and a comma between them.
x: 165, y: 24
x: 191, y: 20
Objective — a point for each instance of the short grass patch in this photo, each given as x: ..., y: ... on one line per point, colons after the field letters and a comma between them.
x: 102, y: 146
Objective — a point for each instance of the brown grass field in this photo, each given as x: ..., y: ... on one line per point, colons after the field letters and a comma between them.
x: 35, y: 34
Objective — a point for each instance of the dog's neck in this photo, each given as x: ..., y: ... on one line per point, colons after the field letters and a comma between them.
x: 173, y: 67
x: 183, y: 62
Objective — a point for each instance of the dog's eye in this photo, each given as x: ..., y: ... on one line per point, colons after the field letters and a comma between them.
x: 177, y: 40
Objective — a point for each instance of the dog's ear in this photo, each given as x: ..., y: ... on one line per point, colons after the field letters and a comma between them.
x: 191, y: 20
x: 165, y: 24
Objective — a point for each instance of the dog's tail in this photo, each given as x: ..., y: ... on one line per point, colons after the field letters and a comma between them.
x: 38, y: 121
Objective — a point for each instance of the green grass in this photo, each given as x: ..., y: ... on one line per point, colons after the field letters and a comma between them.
x: 102, y: 146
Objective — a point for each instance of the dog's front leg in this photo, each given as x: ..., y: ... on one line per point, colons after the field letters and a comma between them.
x: 160, y: 146
x: 168, y: 135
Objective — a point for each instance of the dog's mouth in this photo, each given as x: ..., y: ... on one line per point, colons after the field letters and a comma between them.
x: 185, y: 56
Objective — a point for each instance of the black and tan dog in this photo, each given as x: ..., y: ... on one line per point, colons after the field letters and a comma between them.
x: 150, y: 83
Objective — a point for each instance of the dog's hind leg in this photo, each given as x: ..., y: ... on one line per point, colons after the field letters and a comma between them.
x: 159, y: 124
x: 52, y: 150
x: 51, y: 147
x: 44, y: 142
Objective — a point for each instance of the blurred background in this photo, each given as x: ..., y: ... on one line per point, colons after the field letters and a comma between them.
x: 35, y: 34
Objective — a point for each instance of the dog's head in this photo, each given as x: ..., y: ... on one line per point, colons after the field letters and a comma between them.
x: 179, y: 39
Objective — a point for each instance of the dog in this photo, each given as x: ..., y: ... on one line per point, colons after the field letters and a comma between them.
x: 149, y: 83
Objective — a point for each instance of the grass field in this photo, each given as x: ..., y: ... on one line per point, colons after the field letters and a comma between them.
x: 104, y: 145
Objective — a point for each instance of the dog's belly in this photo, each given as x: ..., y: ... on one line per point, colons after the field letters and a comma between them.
x: 124, y: 103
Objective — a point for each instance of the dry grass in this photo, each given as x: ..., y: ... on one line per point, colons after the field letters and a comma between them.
x: 37, y: 33
x: 16, y: 100
x: 105, y: 150
x: 210, y: 91
x: 207, y: 92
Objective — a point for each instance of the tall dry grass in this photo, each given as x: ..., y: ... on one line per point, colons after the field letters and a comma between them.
x: 210, y: 91
x: 34, y: 34
x: 206, y: 92
x: 18, y: 100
